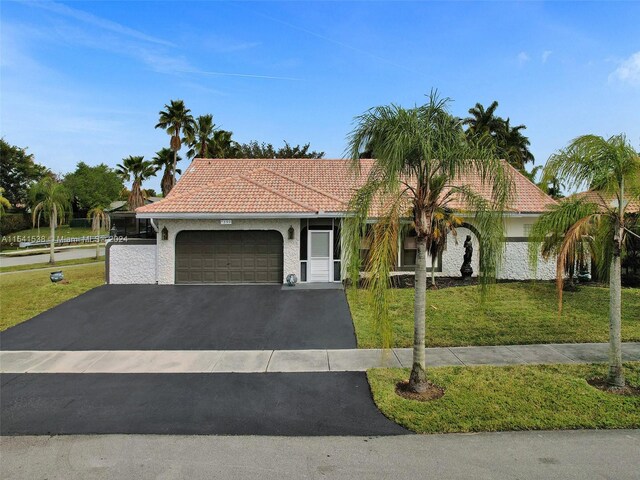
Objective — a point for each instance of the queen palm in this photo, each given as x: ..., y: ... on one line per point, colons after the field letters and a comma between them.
x: 202, y: 136
x: 136, y: 169
x: 163, y: 160
x: 49, y: 200
x: 611, y: 166
x: 176, y: 120
x: 421, y: 156
x: 100, y: 220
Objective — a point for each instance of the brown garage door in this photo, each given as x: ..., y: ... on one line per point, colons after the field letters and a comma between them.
x: 240, y: 256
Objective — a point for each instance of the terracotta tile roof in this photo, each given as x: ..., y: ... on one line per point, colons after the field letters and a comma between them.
x: 605, y: 199
x: 303, y: 186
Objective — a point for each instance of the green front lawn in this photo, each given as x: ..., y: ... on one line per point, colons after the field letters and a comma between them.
x: 514, y: 313
x: 61, y: 231
x: 26, y: 294
x: 480, y: 399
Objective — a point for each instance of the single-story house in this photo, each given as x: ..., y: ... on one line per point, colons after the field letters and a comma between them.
x: 257, y: 221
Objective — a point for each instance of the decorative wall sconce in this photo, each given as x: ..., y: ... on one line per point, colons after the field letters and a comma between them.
x: 165, y: 233
x: 291, y: 233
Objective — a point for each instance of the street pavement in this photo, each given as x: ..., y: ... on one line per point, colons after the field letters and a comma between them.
x: 63, y: 254
x: 567, y: 455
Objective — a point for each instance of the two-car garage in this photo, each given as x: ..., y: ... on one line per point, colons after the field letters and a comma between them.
x: 229, y: 256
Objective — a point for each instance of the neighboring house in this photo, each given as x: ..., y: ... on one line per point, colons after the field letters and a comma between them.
x: 257, y: 221
x: 125, y: 221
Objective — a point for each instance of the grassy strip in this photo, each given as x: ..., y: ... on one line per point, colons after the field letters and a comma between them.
x: 63, y: 263
x: 487, y: 399
x: 515, y: 313
x: 61, y: 231
x: 24, y: 295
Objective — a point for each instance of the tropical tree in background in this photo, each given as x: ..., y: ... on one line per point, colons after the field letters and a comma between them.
x: 136, y: 169
x: 49, y: 199
x: 100, y: 220
x: 611, y: 166
x: 4, y: 203
x: 164, y: 160
x: 509, y: 142
x: 421, y: 154
x: 202, y: 137
x: 223, y: 146
x: 176, y: 120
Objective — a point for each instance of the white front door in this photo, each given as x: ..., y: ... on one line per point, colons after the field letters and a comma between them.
x: 320, y: 253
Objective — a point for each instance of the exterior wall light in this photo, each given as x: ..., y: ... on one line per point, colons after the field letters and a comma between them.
x: 291, y: 233
x: 165, y: 233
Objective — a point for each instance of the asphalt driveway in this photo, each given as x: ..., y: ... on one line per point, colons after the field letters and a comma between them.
x: 190, y: 317
x: 306, y: 404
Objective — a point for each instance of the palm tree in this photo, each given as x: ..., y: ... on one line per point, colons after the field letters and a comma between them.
x: 514, y: 145
x: 222, y: 145
x: 612, y: 166
x: 202, y: 137
x: 483, y: 121
x: 137, y: 169
x: 509, y: 141
x: 49, y: 199
x: 164, y: 161
x: 176, y: 120
x: 4, y: 203
x: 100, y: 220
x: 421, y: 155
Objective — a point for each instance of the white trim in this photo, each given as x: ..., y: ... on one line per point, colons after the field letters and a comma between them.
x: 245, y: 216
x: 331, y: 267
x: 248, y: 216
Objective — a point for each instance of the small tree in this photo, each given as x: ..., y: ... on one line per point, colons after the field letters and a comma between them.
x: 136, y: 169
x: 420, y: 154
x: 100, y: 220
x: 49, y: 199
x: 611, y: 166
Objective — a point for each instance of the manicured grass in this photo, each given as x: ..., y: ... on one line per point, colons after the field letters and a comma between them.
x: 61, y: 231
x: 63, y: 263
x: 514, y: 313
x: 479, y: 399
x: 26, y: 294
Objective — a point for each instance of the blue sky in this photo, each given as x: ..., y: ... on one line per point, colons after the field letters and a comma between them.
x: 84, y: 81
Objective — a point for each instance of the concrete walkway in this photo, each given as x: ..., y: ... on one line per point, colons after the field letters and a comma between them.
x: 262, y: 361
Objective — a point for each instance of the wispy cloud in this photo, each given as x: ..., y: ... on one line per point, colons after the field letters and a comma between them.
x: 523, y: 57
x: 99, y: 22
x: 628, y: 71
x: 545, y: 55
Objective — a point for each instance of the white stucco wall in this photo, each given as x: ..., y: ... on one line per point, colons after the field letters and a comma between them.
x: 515, y: 264
x: 132, y: 263
x: 166, y: 248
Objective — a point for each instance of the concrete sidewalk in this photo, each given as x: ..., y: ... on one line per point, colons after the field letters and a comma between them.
x: 262, y: 361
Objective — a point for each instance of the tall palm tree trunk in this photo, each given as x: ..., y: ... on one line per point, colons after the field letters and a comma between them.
x: 173, y: 169
x: 616, y: 374
x: 52, y: 229
x: 418, y: 378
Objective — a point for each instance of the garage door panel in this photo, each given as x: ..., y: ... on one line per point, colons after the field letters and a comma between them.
x: 235, y: 256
